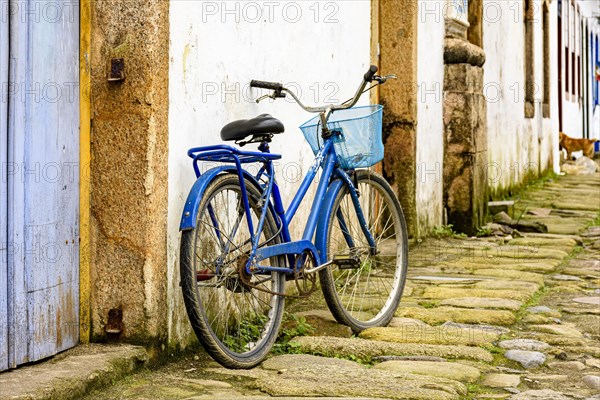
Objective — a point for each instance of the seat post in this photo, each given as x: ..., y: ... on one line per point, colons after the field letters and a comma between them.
x: 264, y: 147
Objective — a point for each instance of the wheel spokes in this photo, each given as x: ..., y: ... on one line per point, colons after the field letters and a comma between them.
x: 237, y: 312
x: 364, y: 291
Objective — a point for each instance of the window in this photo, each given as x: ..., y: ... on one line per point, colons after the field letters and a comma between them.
x: 566, y: 39
x: 579, y: 50
x: 596, y: 72
x: 572, y: 26
x: 546, y: 60
x: 529, y: 60
x: 475, y: 32
x: 572, y: 46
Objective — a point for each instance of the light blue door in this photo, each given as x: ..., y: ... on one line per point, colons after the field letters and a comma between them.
x: 41, y: 181
x: 3, y: 195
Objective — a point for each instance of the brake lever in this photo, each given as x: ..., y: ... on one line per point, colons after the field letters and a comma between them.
x: 261, y: 98
x: 276, y: 94
x: 383, y: 79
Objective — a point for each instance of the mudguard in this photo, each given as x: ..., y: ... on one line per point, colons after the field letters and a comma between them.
x: 190, y: 209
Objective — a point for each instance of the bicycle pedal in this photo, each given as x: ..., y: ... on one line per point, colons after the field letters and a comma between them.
x: 346, y: 263
x: 204, y: 275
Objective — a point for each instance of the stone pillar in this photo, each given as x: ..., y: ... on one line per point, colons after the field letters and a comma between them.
x: 129, y: 169
x: 465, y: 130
x: 398, y: 47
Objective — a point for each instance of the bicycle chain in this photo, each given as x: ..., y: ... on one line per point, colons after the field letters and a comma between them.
x: 298, y: 276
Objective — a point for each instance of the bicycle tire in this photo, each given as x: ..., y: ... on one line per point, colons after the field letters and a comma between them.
x: 376, y: 305
x: 249, y: 332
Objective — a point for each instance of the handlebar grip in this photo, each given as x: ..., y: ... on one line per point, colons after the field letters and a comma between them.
x: 371, y: 73
x: 266, y: 85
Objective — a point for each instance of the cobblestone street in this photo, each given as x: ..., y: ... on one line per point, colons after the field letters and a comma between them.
x: 485, y: 318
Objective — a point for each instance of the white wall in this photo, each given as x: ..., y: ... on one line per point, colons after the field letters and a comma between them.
x: 554, y: 125
x: 573, y: 106
x: 430, y: 127
x: 322, y: 48
x: 516, y: 145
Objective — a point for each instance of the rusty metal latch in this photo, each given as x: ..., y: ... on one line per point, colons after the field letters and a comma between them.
x: 117, y: 70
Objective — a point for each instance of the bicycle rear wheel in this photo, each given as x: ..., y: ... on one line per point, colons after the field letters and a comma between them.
x: 363, y: 290
x: 235, y: 315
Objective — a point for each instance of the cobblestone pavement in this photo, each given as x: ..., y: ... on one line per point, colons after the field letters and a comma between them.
x: 481, y: 318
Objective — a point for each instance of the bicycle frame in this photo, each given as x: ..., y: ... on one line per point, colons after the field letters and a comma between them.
x: 326, y: 159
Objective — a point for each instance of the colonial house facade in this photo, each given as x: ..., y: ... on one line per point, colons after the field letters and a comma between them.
x: 483, y: 88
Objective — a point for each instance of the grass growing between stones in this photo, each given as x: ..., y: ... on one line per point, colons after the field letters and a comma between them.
x: 293, y: 325
x: 594, y: 222
x: 576, y: 250
x: 531, y: 182
x: 498, y: 355
x: 484, y: 232
x: 428, y: 304
x: 493, y: 349
x: 366, y: 361
x: 446, y: 231
x: 473, y: 391
x: 534, y: 300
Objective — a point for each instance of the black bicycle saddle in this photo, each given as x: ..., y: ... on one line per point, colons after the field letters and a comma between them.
x: 264, y: 124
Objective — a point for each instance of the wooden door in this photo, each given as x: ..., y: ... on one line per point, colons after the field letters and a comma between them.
x: 3, y: 194
x: 42, y: 180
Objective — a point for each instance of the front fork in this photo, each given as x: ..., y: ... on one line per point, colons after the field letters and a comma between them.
x: 354, y: 195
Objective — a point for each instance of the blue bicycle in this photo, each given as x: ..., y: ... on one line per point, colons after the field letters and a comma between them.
x: 238, y: 261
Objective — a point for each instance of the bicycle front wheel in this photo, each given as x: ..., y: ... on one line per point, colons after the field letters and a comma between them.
x: 236, y: 315
x: 363, y: 290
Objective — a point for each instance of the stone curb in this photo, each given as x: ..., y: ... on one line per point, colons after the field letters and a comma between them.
x: 72, y: 374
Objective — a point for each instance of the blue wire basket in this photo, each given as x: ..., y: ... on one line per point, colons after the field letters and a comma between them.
x: 359, y: 144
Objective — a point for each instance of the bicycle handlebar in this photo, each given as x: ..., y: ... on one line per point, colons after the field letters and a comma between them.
x: 370, y: 73
x: 266, y: 85
x: 368, y: 77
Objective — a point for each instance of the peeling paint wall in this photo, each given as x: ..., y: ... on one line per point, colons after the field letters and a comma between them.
x: 129, y: 167
x: 320, y: 48
x: 518, y: 147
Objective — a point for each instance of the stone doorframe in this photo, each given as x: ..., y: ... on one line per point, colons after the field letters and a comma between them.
x: 128, y: 173
x: 398, y: 22
x: 465, y: 121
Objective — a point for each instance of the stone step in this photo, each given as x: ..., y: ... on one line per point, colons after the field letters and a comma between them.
x: 431, y: 335
x: 512, y: 274
x: 73, y: 373
x: 363, y: 348
x: 483, y: 302
x: 332, y: 377
x: 443, y: 314
x: 440, y: 293
x: 454, y: 371
x: 551, y: 237
x: 471, y: 265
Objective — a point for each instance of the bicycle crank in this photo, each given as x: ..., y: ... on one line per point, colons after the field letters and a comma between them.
x: 306, y: 282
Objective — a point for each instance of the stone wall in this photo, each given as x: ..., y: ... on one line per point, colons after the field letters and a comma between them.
x: 128, y: 168
x: 465, y: 138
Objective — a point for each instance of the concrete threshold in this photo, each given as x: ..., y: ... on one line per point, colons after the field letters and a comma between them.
x: 72, y: 374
